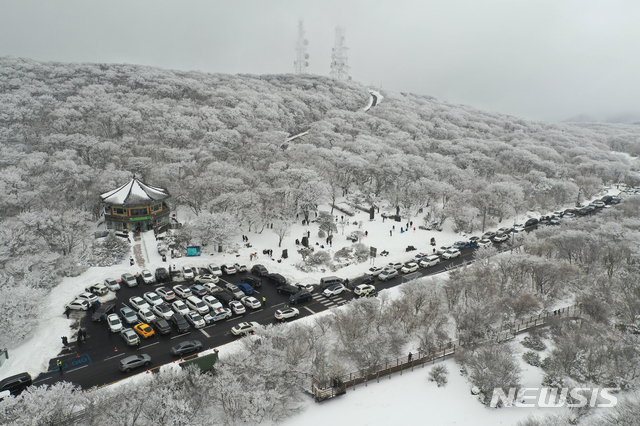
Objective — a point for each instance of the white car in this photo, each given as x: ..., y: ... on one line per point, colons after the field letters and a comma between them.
x: 89, y: 297
x: 206, y: 278
x: 363, y: 289
x: 166, y: 293
x: 182, y: 291
x: 218, y: 315
x: 187, y: 273
x: 484, y: 243
x: 179, y: 307
x: 240, y: 267
x: 451, y: 253
x: 196, y: 304
x: 114, y: 323
x: 442, y: 249
x: 500, y: 238
x: 334, y: 290
x: 152, y: 298
x: 518, y: 227
x: 211, y: 287
x: 387, y: 274
x: 308, y: 287
x: 409, y: 267
x: 237, y: 307
x: 162, y: 311
x: 431, y: 260
x: 251, y: 302
x: 375, y: 271
x: 146, y: 315
x: 229, y: 269
x: 213, y: 303
x: 283, y: 314
x: 215, y: 270
x: 397, y: 265
x: 195, y: 319
x: 138, y: 303
x: 244, y: 328
x: 148, y: 277
x: 78, y: 305
x: 97, y: 289
x: 112, y: 284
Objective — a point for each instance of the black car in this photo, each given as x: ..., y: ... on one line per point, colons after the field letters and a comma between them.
x: 531, y: 222
x: 16, y: 384
x: 300, y: 297
x: 162, y: 325
x: 186, y: 347
x: 288, y: 289
x: 180, y: 323
x: 276, y: 279
x: 259, y: 270
x: 252, y: 281
x: 101, y: 313
x: 224, y: 297
x: 162, y: 275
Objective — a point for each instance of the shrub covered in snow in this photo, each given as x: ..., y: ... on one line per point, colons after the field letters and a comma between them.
x: 439, y: 374
x: 532, y: 358
x: 533, y: 342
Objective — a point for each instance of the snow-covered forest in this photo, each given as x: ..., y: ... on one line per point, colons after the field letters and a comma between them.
x: 218, y: 143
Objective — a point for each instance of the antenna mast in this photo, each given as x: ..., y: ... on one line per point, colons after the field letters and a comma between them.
x: 301, y: 64
x: 339, y: 60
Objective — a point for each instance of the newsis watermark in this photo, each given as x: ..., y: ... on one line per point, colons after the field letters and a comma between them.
x: 554, y: 397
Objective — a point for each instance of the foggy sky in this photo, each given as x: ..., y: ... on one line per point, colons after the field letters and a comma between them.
x: 538, y: 59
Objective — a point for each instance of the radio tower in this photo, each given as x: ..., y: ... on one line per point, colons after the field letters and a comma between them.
x: 339, y: 60
x: 301, y: 63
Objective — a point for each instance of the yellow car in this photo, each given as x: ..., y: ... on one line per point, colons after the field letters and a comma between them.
x: 144, y: 330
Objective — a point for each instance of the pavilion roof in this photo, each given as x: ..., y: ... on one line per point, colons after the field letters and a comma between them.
x: 134, y: 192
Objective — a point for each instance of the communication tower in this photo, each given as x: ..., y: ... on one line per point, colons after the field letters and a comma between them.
x: 301, y: 64
x: 339, y: 60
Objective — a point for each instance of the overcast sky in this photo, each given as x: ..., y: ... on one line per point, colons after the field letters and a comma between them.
x: 538, y: 59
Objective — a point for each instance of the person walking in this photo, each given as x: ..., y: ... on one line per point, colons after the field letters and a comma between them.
x: 410, y: 356
x: 60, y: 366
x: 67, y: 311
x: 264, y: 301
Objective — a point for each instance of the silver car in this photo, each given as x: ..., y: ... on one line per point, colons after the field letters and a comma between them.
x: 130, y: 336
x: 134, y: 361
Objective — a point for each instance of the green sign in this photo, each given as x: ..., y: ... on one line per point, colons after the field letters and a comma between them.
x: 140, y: 218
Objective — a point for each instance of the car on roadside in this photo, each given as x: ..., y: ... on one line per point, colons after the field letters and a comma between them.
x: 181, y: 324
x: 375, y: 270
x: 308, y: 287
x: 251, y: 302
x: 246, y: 288
x: 460, y: 245
x: 428, y: 261
x: 409, y: 267
x: 237, y: 307
x: 218, y: 315
x: 134, y: 361
x: 244, y: 328
x: 166, y: 294
x: 138, y: 303
x: 162, y: 325
x: 180, y: 307
x: 531, y: 222
x: 396, y: 265
x: 89, y: 297
x: 103, y: 311
x: 518, y: 227
x: 162, y: 311
x: 504, y: 230
x: 162, y: 275
x: 187, y: 273
x: 182, y: 291
x: 286, y: 313
x: 500, y: 238
x: 287, y: 289
x: 186, y: 347
x: 259, y: 270
x: 128, y: 315
x: 569, y: 216
x: 206, y: 278
x: 488, y: 235
x: 146, y: 315
x: 334, y: 290
x: 114, y: 323
x: 152, y: 298
x: 485, y: 243
x: 388, y: 274
x: 598, y: 204
x: 228, y: 269
x: 300, y: 297
x: 78, y: 305
x: 97, y: 289
x: 239, y: 267
x: 129, y: 280
x: 451, y: 254
x: 363, y: 289
x: 195, y: 319
x: 112, y: 284
x: 442, y: 249
x: 144, y: 330
x: 147, y: 277
x: 212, y: 302
x: 198, y: 290
x: 130, y: 337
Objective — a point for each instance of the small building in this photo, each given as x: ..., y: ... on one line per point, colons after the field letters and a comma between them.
x: 135, y: 206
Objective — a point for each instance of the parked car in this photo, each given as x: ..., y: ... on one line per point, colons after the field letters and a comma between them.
x: 484, y: 243
x: 225, y: 297
x: 146, y: 315
x: 244, y: 328
x: 129, y: 280
x: 286, y: 313
x: 237, y: 307
x: 252, y: 281
x: 334, y: 290
x: 77, y: 305
x: 134, y: 361
x: 228, y: 269
x: 212, y: 288
x: 187, y: 273
x: 196, y: 304
x: 212, y: 302
x: 152, y: 298
x: 112, y: 284
x: 15, y: 384
x: 166, y: 294
x: 138, y: 303
x: 162, y: 311
x: 128, y: 315
x: 388, y: 274
x: 144, y: 330
x: 460, y: 245
x: 186, y: 347
x: 287, y: 289
x: 246, y: 288
x: 276, y: 279
x: 198, y: 290
x: 259, y: 270
x: 396, y: 265
x: 89, y: 297
x: 240, y: 267
x: 103, y: 311
x: 451, y: 253
x: 428, y: 261
x: 182, y: 291
x: 363, y: 289
x: 251, y: 302
x: 215, y: 270
x: 114, y: 323
x: 500, y: 238
x: 162, y: 275
x: 504, y: 230
x: 180, y: 307
x: 181, y: 324
x: 518, y: 227
x: 300, y: 297
x: 98, y: 289
x: 531, y: 222
x: 130, y: 337
x: 235, y: 290
x: 148, y: 277
x: 206, y: 278
x: 218, y: 315
x: 598, y: 204
x: 308, y: 287
x: 442, y: 249
x: 409, y: 267
x: 195, y: 319
x: 375, y: 270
